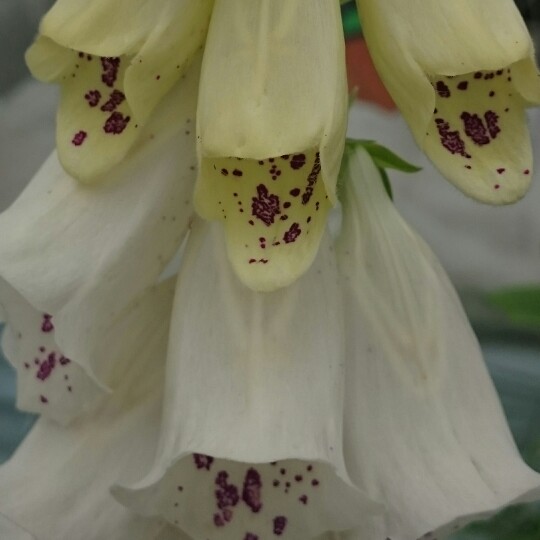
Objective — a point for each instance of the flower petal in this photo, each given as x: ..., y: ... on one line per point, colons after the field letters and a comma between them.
x: 274, y: 213
x: 48, y: 382
x: 83, y: 254
x: 115, y: 63
x: 56, y: 485
x: 251, y: 439
x: 440, y: 452
x: 11, y: 531
x: 302, y: 108
x: 462, y: 74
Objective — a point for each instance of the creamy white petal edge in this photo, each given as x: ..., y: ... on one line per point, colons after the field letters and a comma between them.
x: 76, y: 256
x: 251, y: 445
x: 462, y: 73
x: 424, y: 429
x: 56, y: 486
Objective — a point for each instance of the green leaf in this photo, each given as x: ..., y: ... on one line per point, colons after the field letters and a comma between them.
x: 384, y: 157
x: 521, y: 305
x: 386, y: 182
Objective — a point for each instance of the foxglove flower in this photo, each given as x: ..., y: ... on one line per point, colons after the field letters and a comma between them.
x: 77, y: 257
x: 250, y: 443
x: 424, y: 429
x: 71, y: 469
x: 271, y: 127
x: 114, y: 61
x: 462, y: 73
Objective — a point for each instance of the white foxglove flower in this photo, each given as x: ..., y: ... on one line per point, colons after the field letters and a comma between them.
x: 271, y: 127
x: 424, y: 429
x: 56, y: 487
x: 250, y: 445
x: 77, y: 257
x: 115, y: 61
x: 462, y: 73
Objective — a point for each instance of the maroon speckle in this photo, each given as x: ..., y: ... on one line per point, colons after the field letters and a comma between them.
x: 69, y: 388
x: 158, y: 77
x: 501, y: 170
x: 298, y: 478
x: 468, y: 167
x: 295, y: 192
x: 46, y: 323
x: 251, y: 536
x: 110, y: 68
x: 79, y: 138
x: 309, y: 468
x: 64, y: 361
x: 312, y: 179
x: 303, y: 499
x: 280, y: 523
x: 297, y: 161
x: 478, y: 75
x: 292, y: 234
x: 526, y: 171
x: 46, y: 367
x: 287, y: 205
x: 463, y: 85
x: 116, y: 123
x: 251, y: 491
x: 283, y: 471
x: 93, y: 97
x: 275, y: 483
x: 218, y: 520
x: 27, y: 365
x: 265, y: 206
x: 116, y: 98
x: 451, y: 140
x: 497, y: 186
x: 237, y: 172
x: 491, y: 94
x: 42, y: 349
x: 43, y: 399
x: 475, y: 129
x: 224, y: 172
x: 202, y: 461
x: 492, y: 121
x: 315, y: 482
x: 226, y: 496
x: 442, y: 89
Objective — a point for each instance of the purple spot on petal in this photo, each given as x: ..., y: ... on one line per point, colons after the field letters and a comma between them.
x: 79, y: 138
x: 297, y: 161
x: 280, y: 523
x: 46, y: 323
x: 292, y: 234
x: 265, y: 206
x: 202, y: 461
x: 116, y: 123
x: 251, y: 492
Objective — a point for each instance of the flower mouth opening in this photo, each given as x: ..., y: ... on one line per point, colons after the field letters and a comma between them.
x: 477, y: 135
x: 274, y: 212
x: 218, y: 498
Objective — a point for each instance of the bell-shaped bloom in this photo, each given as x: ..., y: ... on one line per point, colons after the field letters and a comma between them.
x: 251, y: 440
x: 115, y: 61
x: 56, y: 486
x: 271, y: 125
x: 424, y: 429
x: 74, y: 259
x: 462, y: 73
